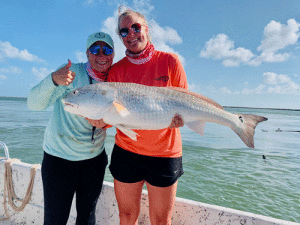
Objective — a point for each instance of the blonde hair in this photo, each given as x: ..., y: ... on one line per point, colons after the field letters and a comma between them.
x: 130, y: 13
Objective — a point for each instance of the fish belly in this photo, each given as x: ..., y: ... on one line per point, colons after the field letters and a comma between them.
x: 140, y: 119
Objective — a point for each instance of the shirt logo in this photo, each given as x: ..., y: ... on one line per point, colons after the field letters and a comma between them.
x: 163, y: 78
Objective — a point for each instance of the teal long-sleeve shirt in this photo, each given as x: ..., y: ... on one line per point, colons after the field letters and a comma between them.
x: 67, y: 136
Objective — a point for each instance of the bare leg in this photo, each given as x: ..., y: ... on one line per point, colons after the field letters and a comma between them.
x: 161, y: 202
x: 128, y: 196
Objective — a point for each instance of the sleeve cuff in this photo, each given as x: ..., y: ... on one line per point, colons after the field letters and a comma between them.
x: 56, y: 84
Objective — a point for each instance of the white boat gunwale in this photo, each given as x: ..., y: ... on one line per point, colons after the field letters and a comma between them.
x: 184, y: 212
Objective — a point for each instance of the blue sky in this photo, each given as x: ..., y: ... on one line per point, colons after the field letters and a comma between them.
x: 239, y: 53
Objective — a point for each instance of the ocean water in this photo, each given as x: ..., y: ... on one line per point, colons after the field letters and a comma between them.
x: 219, y: 168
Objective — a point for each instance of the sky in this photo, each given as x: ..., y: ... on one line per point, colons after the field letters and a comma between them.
x: 237, y: 52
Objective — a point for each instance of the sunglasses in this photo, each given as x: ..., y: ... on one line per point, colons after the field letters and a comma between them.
x: 134, y: 27
x: 107, y: 50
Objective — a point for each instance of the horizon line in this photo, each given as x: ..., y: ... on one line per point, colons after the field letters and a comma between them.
x: 242, y: 107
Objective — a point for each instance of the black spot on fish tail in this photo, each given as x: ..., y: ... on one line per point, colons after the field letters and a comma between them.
x: 241, y: 119
x: 247, y: 129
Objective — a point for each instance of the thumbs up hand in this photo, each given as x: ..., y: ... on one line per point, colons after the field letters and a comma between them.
x: 64, y: 76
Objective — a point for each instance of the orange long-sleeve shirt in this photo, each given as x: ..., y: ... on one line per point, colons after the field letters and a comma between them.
x: 164, y: 69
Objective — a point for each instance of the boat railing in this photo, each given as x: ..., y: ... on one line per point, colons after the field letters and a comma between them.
x: 5, y: 149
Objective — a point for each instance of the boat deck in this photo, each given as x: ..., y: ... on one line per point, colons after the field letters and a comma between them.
x: 185, y: 211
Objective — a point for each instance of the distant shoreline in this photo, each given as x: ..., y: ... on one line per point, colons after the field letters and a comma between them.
x: 13, y: 98
x: 239, y: 107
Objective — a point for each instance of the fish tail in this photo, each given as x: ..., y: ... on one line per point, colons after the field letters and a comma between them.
x: 246, y: 129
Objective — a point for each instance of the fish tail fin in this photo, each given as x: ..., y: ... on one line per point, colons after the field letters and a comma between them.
x: 247, y: 128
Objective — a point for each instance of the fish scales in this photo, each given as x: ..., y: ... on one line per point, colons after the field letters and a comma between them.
x: 168, y: 99
x: 152, y: 102
x: 148, y: 105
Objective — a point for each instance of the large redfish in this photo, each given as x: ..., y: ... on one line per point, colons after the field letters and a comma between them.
x: 130, y: 106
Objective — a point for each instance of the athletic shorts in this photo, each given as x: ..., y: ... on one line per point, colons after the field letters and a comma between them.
x: 128, y: 167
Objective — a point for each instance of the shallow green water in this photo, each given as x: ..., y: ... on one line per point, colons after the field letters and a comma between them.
x: 219, y: 168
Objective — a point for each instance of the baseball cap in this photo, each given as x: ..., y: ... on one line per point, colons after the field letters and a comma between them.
x: 99, y: 36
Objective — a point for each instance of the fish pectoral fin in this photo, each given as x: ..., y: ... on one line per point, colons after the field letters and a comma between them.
x: 130, y: 133
x: 197, y: 126
x: 121, y: 109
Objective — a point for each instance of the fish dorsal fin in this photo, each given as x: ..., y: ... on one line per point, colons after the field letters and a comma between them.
x: 121, y: 109
x: 202, y: 97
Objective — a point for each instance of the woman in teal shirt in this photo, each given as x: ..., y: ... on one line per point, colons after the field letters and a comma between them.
x: 74, y: 155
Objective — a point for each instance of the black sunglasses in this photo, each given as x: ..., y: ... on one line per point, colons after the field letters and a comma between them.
x: 134, y: 27
x: 95, y: 49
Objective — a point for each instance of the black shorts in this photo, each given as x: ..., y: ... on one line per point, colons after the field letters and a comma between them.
x: 128, y: 167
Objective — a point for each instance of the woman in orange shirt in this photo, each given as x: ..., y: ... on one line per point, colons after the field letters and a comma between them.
x: 156, y: 157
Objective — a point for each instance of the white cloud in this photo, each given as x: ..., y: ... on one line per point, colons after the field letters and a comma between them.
x: 274, y: 83
x: 143, y: 6
x: 162, y: 37
x: 225, y: 90
x: 166, y: 34
x: 290, y: 88
x: 269, y: 57
x: 220, y: 47
x: 192, y: 87
x: 271, y: 83
x: 2, y: 77
x: 93, y: 2
x: 280, y: 83
x: 81, y: 57
x: 161, y: 46
x: 257, y: 90
x: 11, y: 70
x: 277, y: 36
x: 9, y: 51
x: 41, y: 73
x: 109, y: 26
x: 273, y: 78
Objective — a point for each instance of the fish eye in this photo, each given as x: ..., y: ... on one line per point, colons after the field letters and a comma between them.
x: 75, y: 92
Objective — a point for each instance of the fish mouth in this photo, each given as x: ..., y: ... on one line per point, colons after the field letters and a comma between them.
x: 69, y: 104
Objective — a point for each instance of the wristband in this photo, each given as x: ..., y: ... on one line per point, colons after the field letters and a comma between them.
x: 56, y: 84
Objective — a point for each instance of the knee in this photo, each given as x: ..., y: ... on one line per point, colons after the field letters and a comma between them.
x: 129, y: 217
x: 161, y: 219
